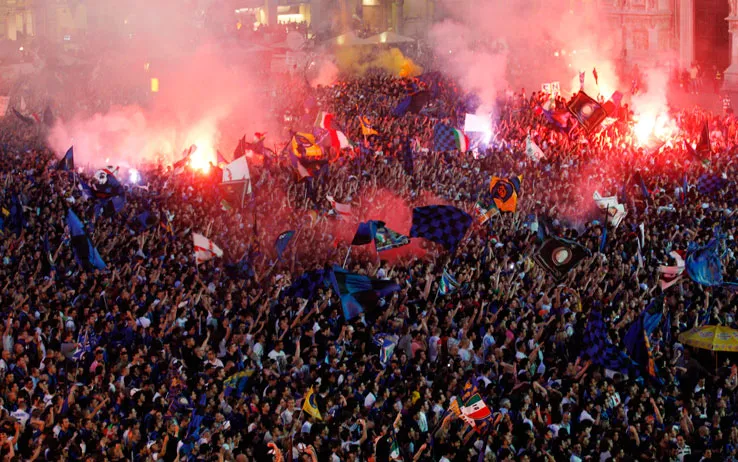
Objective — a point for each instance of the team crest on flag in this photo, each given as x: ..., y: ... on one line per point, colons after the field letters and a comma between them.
x: 532, y: 150
x: 304, y: 147
x: 385, y: 238
x: 505, y: 192
x: 310, y: 405
x: 558, y: 256
x: 475, y: 411
x: 587, y: 111
x: 615, y: 211
x: 386, y: 344
x: 448, y: 284
x: 366, y: 127
x: 484, y: 212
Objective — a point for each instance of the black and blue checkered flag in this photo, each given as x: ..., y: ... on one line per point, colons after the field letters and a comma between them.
x: 448, y: 138
x: 443, y: 138
x: 601, y: 352
x: 443, y: 224
x: 306, y: 285
x: 708, y: 185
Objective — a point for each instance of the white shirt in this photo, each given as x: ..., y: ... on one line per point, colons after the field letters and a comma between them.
x: 286, y: 417
x: 278, y: 356
x: 685, y: 451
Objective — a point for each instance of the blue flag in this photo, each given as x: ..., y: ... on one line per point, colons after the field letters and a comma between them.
x: 704, y: 266
x: 17, y: 219
x: 359, y: 293
x: 365, y: 233
x: 235, y: 385
x: 110, y: 207
x: 685, y: 189
x: 709, y: 185
x: 666, y: 328
x: 386, y: 239
x: 448, y: 284
x: 282, y: 241
x: 84, y: 252
x: 597, y: 348
x: 146, y: 220
x: 402, y: 107
x: 387, y: 344
x: 639, y: 348
x: 67, y: 162
x: 443, y: 224
x: 49, y: 264
x: 642, y: 185
x: 652, y: 314
x: 306, y: 285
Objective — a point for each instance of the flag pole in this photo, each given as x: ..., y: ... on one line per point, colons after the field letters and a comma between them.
x: 345, y: 260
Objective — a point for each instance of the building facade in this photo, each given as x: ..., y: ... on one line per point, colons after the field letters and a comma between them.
x: 17, y: 19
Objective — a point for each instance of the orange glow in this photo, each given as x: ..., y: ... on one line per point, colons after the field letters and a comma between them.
x: 202, y: 157
x: 653, y: 125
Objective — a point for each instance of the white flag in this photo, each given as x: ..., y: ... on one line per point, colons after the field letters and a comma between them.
x: 615, y: 211
x: 205, y: 249
x: 479, y: 124
x: 4, y: 102
x: 238, y: 170
x: 532, y: 150
x: 670, y: 275
x: 343, y: 210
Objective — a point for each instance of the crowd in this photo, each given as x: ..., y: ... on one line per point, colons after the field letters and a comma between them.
x: 157, y: 358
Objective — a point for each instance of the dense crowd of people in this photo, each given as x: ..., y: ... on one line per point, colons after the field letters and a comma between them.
x: 157, y: 358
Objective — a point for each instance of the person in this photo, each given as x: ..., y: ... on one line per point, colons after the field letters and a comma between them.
x: 155, y: 356
x: 727, y: 104
x: 718, y: 80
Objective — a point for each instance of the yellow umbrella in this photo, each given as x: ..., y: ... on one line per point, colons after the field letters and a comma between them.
x: 713, y: 338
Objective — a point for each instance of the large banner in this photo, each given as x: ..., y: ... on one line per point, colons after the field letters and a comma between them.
x: 4, y: 102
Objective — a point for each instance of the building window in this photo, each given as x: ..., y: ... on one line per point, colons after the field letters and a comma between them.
x: 640, y: 40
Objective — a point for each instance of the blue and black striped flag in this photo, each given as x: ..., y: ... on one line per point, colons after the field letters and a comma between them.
x: 67, y: 162
x: 84, y: 252
x: 359, y: 293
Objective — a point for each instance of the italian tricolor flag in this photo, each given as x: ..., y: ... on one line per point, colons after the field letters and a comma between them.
x: 462, y: 141
x: 475, y: 410
x: 324, y: 120
x: 339, y: 140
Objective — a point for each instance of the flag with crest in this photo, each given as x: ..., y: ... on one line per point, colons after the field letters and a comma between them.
x: 505, y: 192
x: 310, y: 405
x: 387, y: 344
x: 448, y: 284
